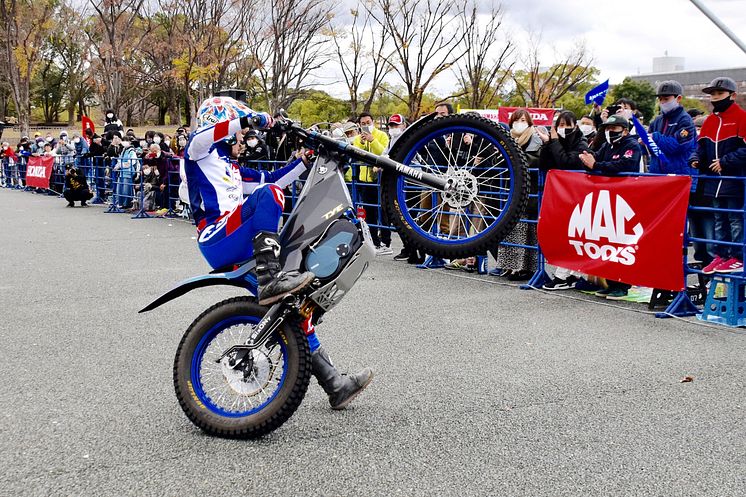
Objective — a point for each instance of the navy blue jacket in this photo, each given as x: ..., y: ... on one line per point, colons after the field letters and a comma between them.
x: 723, y: 137
x: 676, y: 136
x: 622, y: 157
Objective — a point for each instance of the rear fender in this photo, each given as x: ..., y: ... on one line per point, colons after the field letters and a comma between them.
x: 240, y: 277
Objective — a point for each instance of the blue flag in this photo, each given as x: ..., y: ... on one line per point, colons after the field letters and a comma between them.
x: 648, y: 141
x: 598, y: 94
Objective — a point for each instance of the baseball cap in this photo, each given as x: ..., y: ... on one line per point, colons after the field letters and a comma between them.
x: 670, y: 87
x: 722, y: 83
x: 616, y: 120
x: 397, y: 119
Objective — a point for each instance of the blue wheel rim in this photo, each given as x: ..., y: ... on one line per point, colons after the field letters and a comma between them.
x: 401, y: 183
x: 198, y: 356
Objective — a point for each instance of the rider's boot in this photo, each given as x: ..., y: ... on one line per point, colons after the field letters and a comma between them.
x: 273, y: 283
x: 341, y: 388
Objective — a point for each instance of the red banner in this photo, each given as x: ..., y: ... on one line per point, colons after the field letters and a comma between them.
x: 541, y: 117
x: 38, y: 171
x: 86, y: 123
x: 628, y: 229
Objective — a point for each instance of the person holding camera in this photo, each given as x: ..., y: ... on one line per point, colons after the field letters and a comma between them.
x: 76, y: 187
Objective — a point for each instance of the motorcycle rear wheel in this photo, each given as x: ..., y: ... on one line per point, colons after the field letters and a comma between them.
x: 229, y: 403
x: 484, y: 160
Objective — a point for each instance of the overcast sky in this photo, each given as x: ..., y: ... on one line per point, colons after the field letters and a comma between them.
x: 624, y: 36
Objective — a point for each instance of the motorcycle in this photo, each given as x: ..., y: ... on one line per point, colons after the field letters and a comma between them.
x: 452, y: 186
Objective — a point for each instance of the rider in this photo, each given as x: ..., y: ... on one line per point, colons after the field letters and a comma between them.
x: 232, y: 205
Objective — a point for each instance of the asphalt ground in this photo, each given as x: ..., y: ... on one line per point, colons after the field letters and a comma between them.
x: 480, y: 388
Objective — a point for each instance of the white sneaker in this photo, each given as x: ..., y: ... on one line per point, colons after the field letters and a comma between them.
x: 384, y: 250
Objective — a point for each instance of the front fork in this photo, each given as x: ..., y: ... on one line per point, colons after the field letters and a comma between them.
x: 242, y: 358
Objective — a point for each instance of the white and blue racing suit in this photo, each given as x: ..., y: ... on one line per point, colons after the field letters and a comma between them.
x: 231, y: 204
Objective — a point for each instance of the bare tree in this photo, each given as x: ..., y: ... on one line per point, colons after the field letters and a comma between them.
x: 113, y: 37
x: 209, y: 37
x: 290, y: 47
x: 71, y: 53
x: 543, y: 87
x: 487, y: 63
x: 360, y: 52
x: 428, y: 39
x: 25, y: 26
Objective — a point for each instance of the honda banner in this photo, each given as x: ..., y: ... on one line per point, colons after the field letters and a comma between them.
x: 38, y: 171
x: 540, y: 117
x: 628, y: 229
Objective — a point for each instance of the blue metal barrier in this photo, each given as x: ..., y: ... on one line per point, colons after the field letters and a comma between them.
x: 725, y: 301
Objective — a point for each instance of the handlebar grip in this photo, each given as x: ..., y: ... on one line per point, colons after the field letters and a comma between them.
x: 262, y: 121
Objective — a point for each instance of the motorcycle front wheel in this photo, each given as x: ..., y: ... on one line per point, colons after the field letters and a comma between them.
x: 490, y: 173
x: 250, y: 400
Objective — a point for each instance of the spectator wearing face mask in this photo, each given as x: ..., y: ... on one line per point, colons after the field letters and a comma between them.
x: 673, y: 131
x: 587, y: 126
x: 97, y: 153
x: 112, y: 124
x: 148, y: 179
x: 160, y: 140
x: 375, y: 141
x: 181, y: 141
x: 621, y: 153
x: 8, y: 160
x: 125, y: 168
x: 518, y: 264
x: 562, y: 151
x: 256, y: 148
x: 721, y: 151
x: 37, y: 148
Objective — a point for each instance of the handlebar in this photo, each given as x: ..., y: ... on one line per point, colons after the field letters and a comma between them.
x: 358, y: 154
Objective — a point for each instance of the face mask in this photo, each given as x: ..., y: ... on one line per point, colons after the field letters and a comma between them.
x: 168, y: 143
x: 110, y: 116
x: 76, y: 140
x: 126, y: 144
x: 586, y: 129
x: 252, y: 143
x: 367, y: 129
x: 722, y: 105
x: 669, y: 106
x: 614, y: 136
x: 564, y: 132
x: 146, y: 170
x: 520, y: 126
x: 49, y: 139
x: 394, y: 132
x: 156, y: 139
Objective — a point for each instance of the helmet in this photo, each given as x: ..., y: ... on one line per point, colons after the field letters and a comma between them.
x: 217, y: 109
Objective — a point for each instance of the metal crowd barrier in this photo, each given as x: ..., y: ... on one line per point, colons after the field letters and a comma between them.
x: 111, y: 180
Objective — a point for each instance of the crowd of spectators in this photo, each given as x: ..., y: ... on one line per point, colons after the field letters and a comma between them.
x: 604, y: 141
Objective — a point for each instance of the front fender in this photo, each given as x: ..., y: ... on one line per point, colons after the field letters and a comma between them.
x: 240, y: 277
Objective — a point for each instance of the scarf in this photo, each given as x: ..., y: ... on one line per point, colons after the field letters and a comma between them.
x: 523, y: 138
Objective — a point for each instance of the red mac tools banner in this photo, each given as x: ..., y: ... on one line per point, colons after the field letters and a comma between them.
x: 628, y: 229
x: 540, y: 117
x: 38, y: 171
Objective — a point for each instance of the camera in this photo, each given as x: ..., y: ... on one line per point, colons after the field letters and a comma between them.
x: 613, y: 109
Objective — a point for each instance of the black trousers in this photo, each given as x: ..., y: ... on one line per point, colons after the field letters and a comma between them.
x: 369, y: 196
x: 81, y: 195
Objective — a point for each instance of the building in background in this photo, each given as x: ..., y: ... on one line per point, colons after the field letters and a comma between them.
x: 665, y: 68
